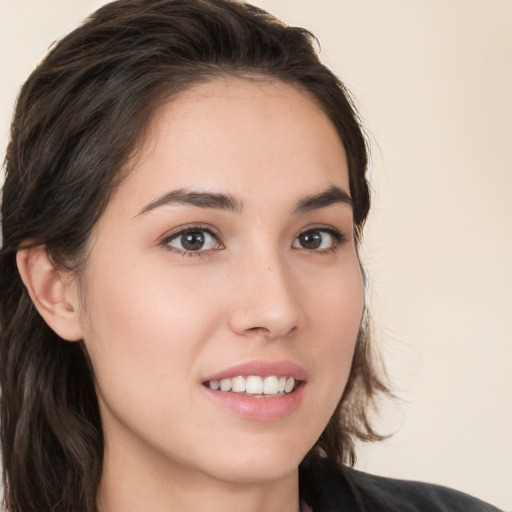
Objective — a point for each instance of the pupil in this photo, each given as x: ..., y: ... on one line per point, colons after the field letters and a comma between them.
x: 311, y: 240
x: 193, y: 241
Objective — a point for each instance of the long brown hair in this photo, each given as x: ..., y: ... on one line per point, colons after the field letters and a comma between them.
x: 78, y: 118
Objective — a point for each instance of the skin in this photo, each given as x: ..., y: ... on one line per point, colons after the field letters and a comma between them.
x: 157, y: 321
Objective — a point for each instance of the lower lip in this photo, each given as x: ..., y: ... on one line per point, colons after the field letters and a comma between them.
x: 258, y: 408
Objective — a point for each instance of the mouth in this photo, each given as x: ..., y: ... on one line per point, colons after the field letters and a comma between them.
x: 258, y: 390
x: 267, y: 386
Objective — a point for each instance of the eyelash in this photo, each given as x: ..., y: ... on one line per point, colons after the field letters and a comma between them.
x: 338, y: 239
x: 190, y: 229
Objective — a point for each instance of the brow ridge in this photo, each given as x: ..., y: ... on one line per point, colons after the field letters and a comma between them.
x: 332, y: 195
x: 221, y: 201
x: 200, y: 199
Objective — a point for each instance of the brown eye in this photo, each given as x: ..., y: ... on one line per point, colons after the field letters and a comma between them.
x: 317, y: 239
x: 311, y: 239
x: 193, y: 240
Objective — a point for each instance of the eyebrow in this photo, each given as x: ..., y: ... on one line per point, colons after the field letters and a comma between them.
x: 332, y: 195
x: 200, y: 199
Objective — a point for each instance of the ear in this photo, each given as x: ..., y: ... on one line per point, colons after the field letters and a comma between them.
x: 51, y: 292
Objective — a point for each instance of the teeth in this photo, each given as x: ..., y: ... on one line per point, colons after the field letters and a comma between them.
x: 226, y: 385
x: 290, y: 383
x: 255, y: 385
x: 270, y: 385
x: 238, y: 384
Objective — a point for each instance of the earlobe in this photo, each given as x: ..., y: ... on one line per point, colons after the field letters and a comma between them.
x: 50, y: 291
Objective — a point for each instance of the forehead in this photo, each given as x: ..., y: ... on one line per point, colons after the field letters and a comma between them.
x: 242, y: 134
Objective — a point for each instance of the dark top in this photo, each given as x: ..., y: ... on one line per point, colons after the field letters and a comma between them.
x: 329, y: 487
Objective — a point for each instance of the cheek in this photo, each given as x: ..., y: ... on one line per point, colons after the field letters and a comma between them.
x: 143, y: 327
x: 337, y: 301
x: 144, y: 339
x: 337, y: 311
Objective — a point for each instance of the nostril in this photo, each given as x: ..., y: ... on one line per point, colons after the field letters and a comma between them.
x: 270, y: 334
x: 256, y: 329
x: 266, y: 310
x: 259, y: 331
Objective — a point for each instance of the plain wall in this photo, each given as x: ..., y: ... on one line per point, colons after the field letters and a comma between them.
x: 433, y: 82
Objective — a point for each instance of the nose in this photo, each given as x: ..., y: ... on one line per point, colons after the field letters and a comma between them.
x: 266, y: 301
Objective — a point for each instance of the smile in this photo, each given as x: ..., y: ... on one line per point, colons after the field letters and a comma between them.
x: 254, y: 385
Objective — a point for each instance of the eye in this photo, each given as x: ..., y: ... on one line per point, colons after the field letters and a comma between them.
x: 192, y: 240
x: 318, y: 239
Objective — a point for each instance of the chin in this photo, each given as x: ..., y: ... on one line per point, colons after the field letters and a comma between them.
x: 263, y: 462
x: 256, y: 471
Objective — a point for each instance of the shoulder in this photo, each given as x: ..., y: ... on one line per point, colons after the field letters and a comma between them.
x: 405, y: 495
x: 331, y: 486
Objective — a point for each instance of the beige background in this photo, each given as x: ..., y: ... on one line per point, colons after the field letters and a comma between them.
x: 433, y: 80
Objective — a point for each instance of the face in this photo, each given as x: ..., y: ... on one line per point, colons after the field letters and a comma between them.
x: 222, y: 271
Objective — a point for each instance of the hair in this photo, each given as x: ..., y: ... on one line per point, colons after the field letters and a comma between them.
x: 78, y: 120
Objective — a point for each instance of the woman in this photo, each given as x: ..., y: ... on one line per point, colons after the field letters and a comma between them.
x: 182, y: 312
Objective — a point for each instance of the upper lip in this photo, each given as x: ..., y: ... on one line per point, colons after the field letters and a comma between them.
x: 262, y: 369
